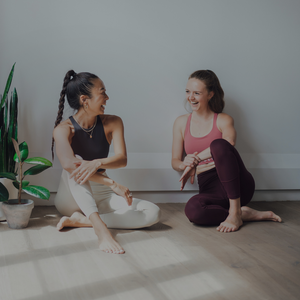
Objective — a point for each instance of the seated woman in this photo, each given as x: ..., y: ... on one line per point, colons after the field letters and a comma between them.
x: 86, y: 196
x: 208, y: 137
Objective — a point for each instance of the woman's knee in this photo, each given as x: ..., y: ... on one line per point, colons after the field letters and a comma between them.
x: 153, y: 213
x: 195, y: 211
x: 220, y: 148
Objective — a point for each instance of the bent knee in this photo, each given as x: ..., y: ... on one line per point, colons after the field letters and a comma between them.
x: 219, y: 148
x: 196, y: 211
x: 154, y: 215
x: 151, y: 214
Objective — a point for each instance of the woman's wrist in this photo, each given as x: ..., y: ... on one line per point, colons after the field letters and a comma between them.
x: 181, y: 167
x: 109, y: 182
x: 99, y: 164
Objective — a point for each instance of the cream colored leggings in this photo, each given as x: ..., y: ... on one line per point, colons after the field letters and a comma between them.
x: 113, y: 209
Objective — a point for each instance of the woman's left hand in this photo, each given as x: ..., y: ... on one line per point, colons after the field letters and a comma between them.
x: 188, y: 173
x: 84, y: 170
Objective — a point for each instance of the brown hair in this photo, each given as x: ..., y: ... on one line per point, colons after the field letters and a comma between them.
x: 210, y: 79
x: 74, y: 86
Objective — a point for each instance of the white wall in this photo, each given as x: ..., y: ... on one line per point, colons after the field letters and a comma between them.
x: 144, y: 52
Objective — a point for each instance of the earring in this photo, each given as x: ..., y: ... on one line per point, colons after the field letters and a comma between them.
x: 86, y: 107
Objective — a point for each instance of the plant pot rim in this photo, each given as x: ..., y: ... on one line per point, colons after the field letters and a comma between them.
x: 16, y: 202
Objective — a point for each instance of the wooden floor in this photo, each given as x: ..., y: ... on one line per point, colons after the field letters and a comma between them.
x: 171, y: 260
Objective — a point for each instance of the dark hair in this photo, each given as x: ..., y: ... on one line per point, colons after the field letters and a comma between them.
x: 74, y: 86
x: 210, y: 79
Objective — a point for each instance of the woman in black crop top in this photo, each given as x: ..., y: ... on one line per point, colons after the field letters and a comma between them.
x: 86, y: 196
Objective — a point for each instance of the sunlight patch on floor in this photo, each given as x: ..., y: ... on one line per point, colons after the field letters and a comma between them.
x: 26, y: 281
x: 190, y: 286
x: 140, y: 293
x: 163, y: 253
x: 114, y: 266
x: 17, y: 241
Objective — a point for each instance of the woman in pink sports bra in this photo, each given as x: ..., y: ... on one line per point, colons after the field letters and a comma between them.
x: 203, y: 144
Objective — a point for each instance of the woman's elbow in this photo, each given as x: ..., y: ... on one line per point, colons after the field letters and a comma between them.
x: 232, y: 142
x: 124, y: 162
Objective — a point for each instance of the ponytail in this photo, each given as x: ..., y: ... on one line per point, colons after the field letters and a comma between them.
x: 61, y: 104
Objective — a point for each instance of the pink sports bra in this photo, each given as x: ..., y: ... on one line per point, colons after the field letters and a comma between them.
x: 193, y: 144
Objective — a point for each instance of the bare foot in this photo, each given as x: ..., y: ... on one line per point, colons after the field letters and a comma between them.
x: 76, y: 220
x: 108, y: 244
x: 249, y: 214
x: 232, y: 223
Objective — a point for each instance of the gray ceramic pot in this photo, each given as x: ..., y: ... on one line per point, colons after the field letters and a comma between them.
x: 17, y: 215
x: 12, y: 191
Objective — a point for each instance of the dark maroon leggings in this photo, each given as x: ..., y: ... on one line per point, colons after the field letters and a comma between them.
x: 228, y: 180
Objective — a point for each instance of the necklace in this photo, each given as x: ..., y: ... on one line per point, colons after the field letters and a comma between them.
x: 87, y: 131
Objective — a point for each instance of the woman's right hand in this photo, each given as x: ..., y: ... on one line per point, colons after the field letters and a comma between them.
x: 122, y: 191
x: 187, y: 173
x: 191, y: 160
x: 205, y: 167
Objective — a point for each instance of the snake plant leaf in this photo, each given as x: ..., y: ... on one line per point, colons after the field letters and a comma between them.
x: 37, y: 191
x: 3, y: 152
x: 23, y: 151
x: 8, y: 175
x: 8, y: 83
x: 3, y: 193
x: 5, y: 115
x: 38, y: 161
x: 17, y: 184
x: 12, y: 127
x: 36, y: 170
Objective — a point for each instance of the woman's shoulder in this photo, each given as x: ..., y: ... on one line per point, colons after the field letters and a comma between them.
x: 224, y: 120
x: 111, y: 120
x: 64, y: 128
x: 181, y: 120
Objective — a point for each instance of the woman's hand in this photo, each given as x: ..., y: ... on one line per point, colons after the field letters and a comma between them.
x: 205, y: 167
x: 191, y: 160
x: 122, y: 191
x: 84, y: 170
x: 188, y: 173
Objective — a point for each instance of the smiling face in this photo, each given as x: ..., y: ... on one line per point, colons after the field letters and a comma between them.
x: 197, y: 94
x: 96, y: 103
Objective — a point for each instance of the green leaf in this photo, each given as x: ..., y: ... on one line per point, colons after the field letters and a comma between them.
x: 36, y: 170
x: 8, y: 175
x: 37, y: 191
x: 13, y: 123
x: 3, y: 193
x: 8, y: 83
x: 38, y: 161
x: 17, y: 155
x: 17, y: 183
x: 23, y: 148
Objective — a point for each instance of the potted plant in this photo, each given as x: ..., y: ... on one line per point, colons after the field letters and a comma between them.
x: 8, y: 130
x: 18, y: 211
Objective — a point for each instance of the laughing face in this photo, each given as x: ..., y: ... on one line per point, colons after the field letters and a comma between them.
x: 197, y: 94
x: 99, y: 97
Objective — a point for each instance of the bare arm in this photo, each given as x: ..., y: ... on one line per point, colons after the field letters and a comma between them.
x: 115, y: 132
x: 63, y: 136
x: 178, y: 163
x: 225, y: 124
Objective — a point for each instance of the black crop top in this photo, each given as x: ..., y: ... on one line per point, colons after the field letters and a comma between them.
x: 90, y: 148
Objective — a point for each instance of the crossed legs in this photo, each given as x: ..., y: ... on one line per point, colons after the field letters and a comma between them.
x: 80, y: 209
